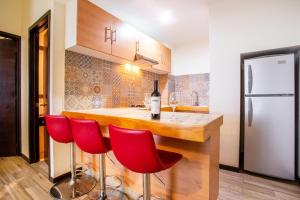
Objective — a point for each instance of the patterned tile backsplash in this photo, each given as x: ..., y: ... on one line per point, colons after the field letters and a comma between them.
x: 93, y: 83
x: 191, y: 89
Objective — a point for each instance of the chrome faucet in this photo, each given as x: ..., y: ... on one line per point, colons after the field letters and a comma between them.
x: 195, y: 98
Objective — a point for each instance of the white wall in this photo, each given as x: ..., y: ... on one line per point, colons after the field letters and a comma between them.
x: 60, y: 153
x: 11, y: 21
x: 16, y: 17
x: 191, y: 58
x: 33, y: 10
x: 237, y: 27
x: 12, y: 15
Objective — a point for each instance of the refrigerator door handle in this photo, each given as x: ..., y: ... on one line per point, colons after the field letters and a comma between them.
x: 250, y: 79
x: 250, y: 112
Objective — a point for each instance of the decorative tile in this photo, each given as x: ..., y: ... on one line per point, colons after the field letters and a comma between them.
x: 191, y: 88
x: 92, y: 83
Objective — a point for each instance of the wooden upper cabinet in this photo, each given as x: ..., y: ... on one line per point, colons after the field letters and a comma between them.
x: 164, y: 59
x: 147, y: 46
x: 93, y: 27
x: 92, y: 31
x: 123, y: 40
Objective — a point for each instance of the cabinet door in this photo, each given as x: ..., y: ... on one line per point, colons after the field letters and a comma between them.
x: 123, y: 40
x: 168, y: 56
x: 93, y: 27
x: 165, y: 59
x: 148, y: 47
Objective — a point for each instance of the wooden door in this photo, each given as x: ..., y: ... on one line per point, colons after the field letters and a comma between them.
x: 93, y: 27
x: 8, y: 94
x: 39, y: 71
x: 123, y: 40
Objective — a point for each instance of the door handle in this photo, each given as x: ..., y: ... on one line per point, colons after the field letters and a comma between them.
x: 107, y: 36
x: 250, y: 79
x: 250, y: 112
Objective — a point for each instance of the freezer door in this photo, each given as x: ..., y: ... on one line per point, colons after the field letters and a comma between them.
x: 269, y: 129
x: 270, y: 75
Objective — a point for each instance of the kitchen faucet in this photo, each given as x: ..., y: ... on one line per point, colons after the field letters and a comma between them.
x: 195, y: 98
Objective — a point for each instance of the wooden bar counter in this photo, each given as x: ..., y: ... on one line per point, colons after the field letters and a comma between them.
x: 194, y: 135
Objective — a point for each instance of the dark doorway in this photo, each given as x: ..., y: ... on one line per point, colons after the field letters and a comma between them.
x: 10, y: 143
x: 39, y: 59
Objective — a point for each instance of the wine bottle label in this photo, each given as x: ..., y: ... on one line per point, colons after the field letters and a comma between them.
x: 155, y: 105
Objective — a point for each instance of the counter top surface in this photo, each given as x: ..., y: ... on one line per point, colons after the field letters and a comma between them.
x: 187, y: 126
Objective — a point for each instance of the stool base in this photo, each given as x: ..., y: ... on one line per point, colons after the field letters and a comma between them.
x: 141, y: 197
x: 111, y: 194
x: 64, y: 190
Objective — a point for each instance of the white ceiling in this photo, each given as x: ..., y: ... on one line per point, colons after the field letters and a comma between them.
x: 189, y: 18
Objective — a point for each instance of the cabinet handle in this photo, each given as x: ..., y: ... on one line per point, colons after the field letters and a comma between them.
x: 250, y: 79
x: 114, y: 36
x: 107, y: 36
x: 137, y: 46
x: 250, y: 112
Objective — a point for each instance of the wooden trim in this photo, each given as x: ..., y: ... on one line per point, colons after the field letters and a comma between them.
x: 24, y: 157
x: 188, y: 109
x: 18, y: 89
x: 286, y: 50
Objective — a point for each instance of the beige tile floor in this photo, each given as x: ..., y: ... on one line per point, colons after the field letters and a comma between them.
x: 21, y: 181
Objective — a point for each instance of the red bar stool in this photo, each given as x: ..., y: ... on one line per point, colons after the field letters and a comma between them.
x: 88, y: 137
x: 136, y: 150
x: 59, y: 129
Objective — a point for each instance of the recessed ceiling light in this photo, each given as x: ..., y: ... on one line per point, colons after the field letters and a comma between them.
x: 166, y: 17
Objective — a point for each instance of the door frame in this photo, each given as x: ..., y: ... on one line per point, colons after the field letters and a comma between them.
x: 33, y: 93
x: 295, y: 50
x: 17, y: 38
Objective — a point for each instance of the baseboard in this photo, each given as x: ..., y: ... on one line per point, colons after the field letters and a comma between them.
x: 229, y: 168
x: 24, y: 157
x: 62, y: 177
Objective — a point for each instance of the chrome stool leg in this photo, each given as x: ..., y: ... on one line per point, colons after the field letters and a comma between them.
x: 102, y: 193
x: 147, y: 188
x: 120, y: 182
x: 74, y: 187
x: 108, y: 192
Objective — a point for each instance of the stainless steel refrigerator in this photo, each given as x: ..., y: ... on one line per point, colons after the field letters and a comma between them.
x: 269, y: 121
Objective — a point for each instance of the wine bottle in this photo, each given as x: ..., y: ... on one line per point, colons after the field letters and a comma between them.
x: 155, y: 102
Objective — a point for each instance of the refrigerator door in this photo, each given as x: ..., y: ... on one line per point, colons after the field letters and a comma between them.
x: 270, y: 75
x: 270, y: 136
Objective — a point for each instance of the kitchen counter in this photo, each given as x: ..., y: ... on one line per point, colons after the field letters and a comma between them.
x: 194, y: 135
x: 186, y: 126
